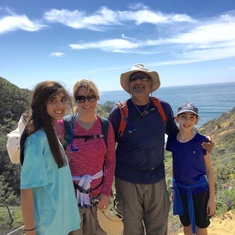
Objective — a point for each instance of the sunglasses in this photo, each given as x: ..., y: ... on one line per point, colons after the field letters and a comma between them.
x: 83, y: 98
x: 142, y: 77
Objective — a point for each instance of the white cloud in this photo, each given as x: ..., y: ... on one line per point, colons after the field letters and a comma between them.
x: 57, y: 54
x: 177, y: 35
x: 107, y: 17
x: 114, y: 45
x: 151, y: 17
x: 17, y: 22
x: 208, y: 33
x: 136, y: 6
x: 203, y: 40
x: 78, y: 19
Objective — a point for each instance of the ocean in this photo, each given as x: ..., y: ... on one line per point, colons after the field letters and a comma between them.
x: 212, y: 100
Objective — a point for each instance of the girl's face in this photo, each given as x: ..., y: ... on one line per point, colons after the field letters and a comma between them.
x: 86, y: 103
x: 56, y: 106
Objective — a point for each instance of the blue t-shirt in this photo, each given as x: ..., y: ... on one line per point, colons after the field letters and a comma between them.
x: 140, y: 153
x: 188, y: 159
x: 55, y: 206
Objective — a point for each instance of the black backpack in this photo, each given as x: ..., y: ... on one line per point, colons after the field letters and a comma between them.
x: 69, y: 130
x: 67, y: 136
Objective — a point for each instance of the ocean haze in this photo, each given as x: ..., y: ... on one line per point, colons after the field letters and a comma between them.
x: 212, y: 99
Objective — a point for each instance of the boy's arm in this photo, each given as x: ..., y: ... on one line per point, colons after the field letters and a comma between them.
x: 28, y: 210
x: 211, y: 207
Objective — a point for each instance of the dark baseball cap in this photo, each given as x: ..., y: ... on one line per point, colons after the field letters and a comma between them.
x: 187, y: 107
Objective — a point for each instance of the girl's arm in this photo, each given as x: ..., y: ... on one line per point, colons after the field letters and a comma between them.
x: 28, y: 211
x: 211, y: 207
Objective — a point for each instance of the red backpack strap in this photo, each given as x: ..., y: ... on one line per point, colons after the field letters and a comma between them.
x: 123, y: 117
x: 122, y: 105
x: 161, y: 111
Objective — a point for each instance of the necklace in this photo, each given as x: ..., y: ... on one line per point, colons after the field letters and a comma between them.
x: 145, y: 111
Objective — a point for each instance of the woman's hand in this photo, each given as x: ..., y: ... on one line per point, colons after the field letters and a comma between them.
x: 103, y: 203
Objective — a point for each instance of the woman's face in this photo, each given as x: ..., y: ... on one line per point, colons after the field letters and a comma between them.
x: 56, y: 106
x: 86, y: 103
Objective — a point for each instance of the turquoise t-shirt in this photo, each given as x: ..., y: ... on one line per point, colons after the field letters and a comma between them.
x: 55, y: 205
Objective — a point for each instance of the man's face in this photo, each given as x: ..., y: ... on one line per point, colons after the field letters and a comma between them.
x: 140, y: 84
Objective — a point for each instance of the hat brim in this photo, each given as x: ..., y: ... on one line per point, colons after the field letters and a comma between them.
x: 184, y: 111
x: 124, y: 79
x: 110, y: 223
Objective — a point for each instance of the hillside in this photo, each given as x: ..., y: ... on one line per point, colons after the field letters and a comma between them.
x: 14, y: 101
x: 222, y: 131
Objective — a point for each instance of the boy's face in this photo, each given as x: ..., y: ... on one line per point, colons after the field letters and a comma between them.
x: 187, y: 120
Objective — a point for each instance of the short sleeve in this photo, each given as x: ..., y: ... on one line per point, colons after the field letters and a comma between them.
x: 34, y: 173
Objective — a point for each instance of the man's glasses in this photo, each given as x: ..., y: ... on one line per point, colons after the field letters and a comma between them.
x: 83, y: 98
x: 142, y: 77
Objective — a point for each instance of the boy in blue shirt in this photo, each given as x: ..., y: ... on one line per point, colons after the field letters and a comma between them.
x: 193, y: 178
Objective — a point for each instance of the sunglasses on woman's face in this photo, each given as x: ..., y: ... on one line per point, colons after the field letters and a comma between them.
x: 142, y: 77
x: 83, y: 98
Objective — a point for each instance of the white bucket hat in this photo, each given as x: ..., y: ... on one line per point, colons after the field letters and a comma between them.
x: 110, y: 221
x: 124, y: 78
x: 13, y: 142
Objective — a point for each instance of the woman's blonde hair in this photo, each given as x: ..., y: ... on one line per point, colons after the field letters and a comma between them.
x: 88, y: 85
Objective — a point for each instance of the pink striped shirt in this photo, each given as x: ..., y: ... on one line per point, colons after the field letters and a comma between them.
x: 92, y: 155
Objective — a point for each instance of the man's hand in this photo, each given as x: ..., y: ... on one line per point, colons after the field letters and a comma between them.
x: 208, y: 146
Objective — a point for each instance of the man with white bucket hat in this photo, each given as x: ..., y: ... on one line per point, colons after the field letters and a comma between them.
x: 141, y: 194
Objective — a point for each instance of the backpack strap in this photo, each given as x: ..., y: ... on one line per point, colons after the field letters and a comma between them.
x: 22, y: 140
x: 68, y: 129
x: 122, y: 105
x: 105, y: 129
x: 160, y: 109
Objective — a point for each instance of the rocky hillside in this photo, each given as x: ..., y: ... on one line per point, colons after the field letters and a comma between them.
x: 14, y: 101
x: 222, y: 132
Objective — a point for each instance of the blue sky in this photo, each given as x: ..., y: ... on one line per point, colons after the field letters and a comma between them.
x: 185, y: 41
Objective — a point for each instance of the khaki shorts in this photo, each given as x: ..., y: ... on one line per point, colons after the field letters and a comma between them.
x: 144, y: 207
